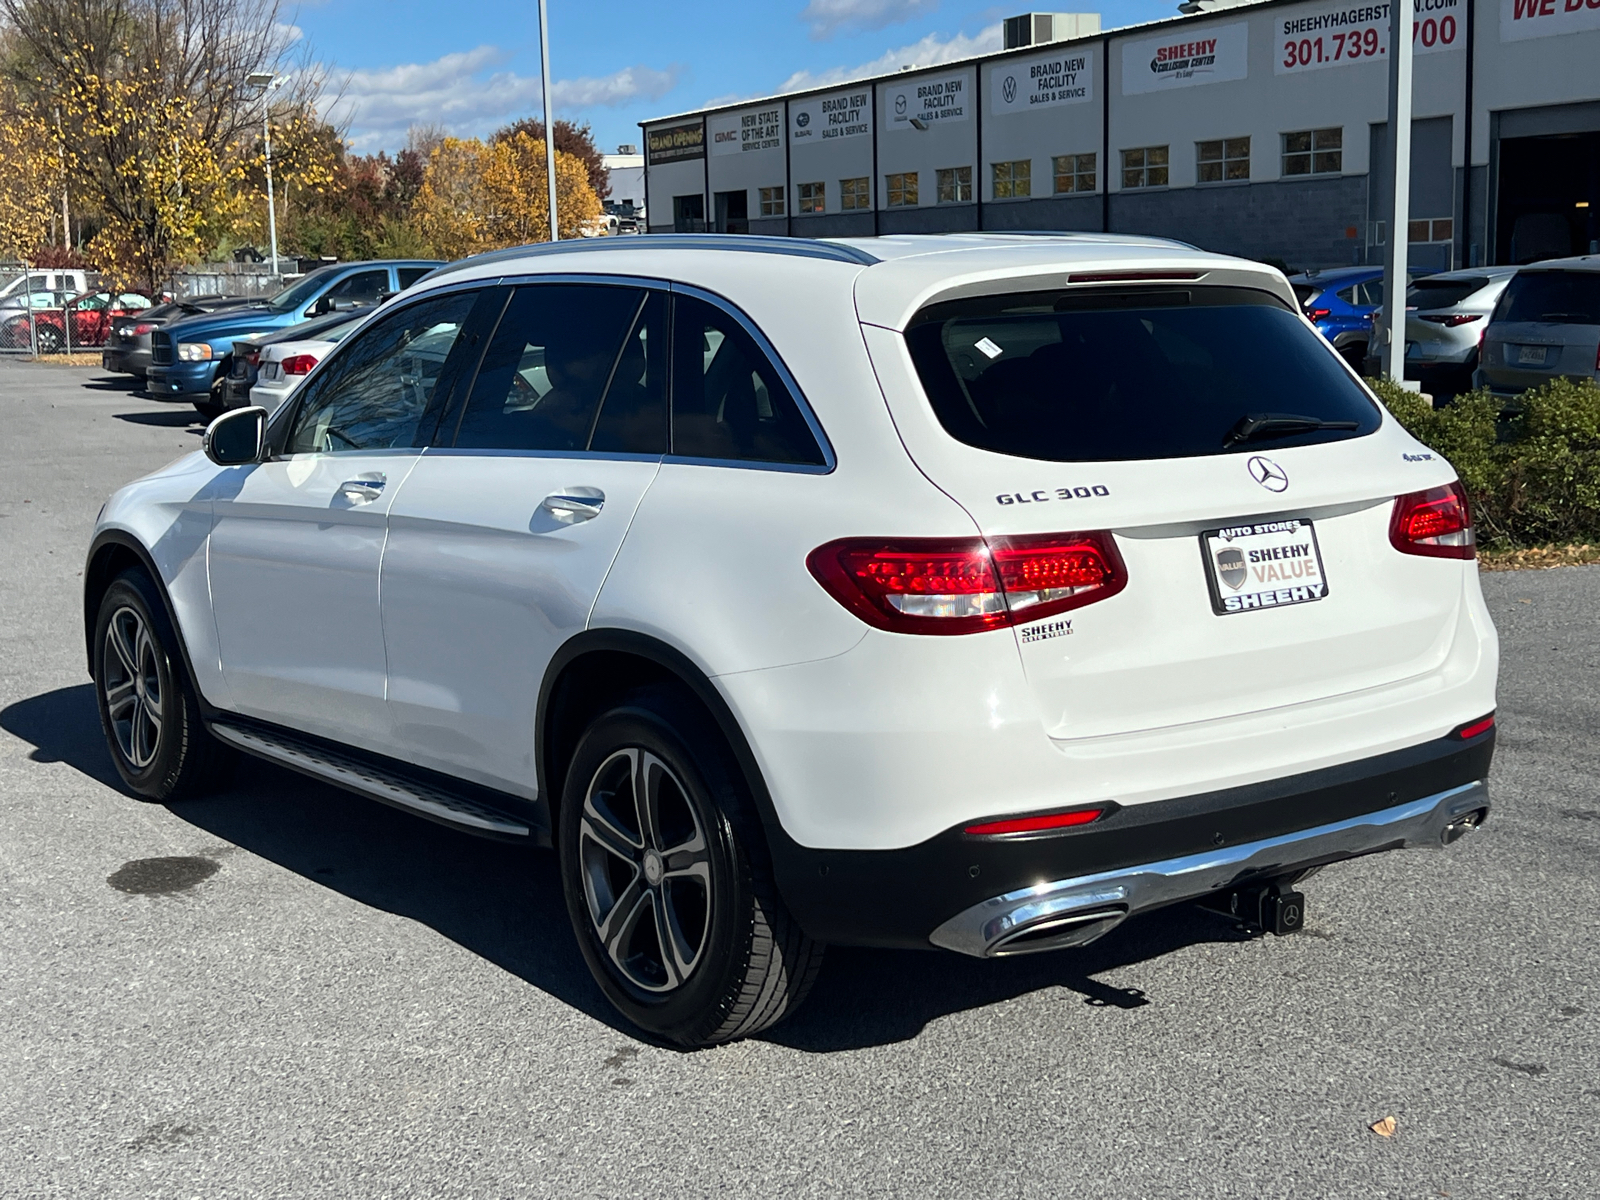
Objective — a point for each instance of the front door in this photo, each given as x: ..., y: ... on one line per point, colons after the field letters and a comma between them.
x: 503, y: 533
x: 297, y: 541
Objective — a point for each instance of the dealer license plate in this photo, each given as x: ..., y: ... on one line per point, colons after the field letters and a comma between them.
x: 1532, y: 355
x: 1269, y: 564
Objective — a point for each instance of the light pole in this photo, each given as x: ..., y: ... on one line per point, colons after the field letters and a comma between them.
x: 267, y: 82
x: 1401, y: 16
x: 549, y: 121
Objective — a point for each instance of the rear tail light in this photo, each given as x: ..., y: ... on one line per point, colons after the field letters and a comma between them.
x: 1472, y: 729
x: 1040, y: 824
x: 938, y: 586
x: 1317, y: 314
x: 1436, y: 523
x: 252, y: 358
x: 1451, y: 320
x: 299, y: 364
x: 142, y: 328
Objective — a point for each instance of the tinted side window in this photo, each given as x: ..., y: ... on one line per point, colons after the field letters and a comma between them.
x: 374, y: 393
x: 1552, y: 297
x: 363, y: 286
x: 546, y: 368
x: 728, y: 400
x: 409, y: 275
x: 633, y: 416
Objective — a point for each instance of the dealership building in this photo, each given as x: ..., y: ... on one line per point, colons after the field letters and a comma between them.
x: 1249, y: 128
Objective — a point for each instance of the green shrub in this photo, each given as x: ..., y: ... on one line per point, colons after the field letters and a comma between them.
x: 1532, y: 477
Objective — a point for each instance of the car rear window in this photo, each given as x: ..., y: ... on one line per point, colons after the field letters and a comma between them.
x: 1442, y: 293
x: 1110, y: 376
x: 1305, y: 293
x: 1551, y: 298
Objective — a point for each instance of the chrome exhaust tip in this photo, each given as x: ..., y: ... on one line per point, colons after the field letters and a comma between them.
x: 1058, y: 933
x: 1462, y: 825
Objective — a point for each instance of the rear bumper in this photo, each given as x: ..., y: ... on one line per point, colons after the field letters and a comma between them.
x: 975, y: 893
x: 125, y: 362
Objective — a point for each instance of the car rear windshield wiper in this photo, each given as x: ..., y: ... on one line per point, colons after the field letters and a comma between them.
x: 1259, y: 425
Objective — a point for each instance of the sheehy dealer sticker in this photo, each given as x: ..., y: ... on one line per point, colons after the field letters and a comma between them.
x: 1270, y: 565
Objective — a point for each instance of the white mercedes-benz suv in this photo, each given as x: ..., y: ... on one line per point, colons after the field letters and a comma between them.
x: 971, y: 592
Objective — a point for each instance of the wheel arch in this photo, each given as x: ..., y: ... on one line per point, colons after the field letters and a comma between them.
x: 598, y: 666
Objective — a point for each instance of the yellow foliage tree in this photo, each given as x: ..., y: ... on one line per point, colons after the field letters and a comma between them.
x: 476, y: 197
x: 30, y: 177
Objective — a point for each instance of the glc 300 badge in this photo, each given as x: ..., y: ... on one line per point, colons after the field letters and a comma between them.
x: 1267, y: 473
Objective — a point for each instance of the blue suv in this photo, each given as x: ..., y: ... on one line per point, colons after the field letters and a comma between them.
x: 187, y: 357
x: 1340, y: 304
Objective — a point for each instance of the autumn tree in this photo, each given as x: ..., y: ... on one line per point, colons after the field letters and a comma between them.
x: 576, y: 140
x: 477, y: 197
x: 30, y: 177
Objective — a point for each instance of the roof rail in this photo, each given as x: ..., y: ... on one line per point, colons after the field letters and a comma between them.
x: 748, y: 243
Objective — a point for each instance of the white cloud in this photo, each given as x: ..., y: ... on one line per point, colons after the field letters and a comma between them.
x: 463, y: 93
x: 929, y: 52
x: 291, y: 34
x: 828, y: 17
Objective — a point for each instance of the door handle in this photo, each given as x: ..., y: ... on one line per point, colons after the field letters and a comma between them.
x: 363, y: 490
x: 575, y: 504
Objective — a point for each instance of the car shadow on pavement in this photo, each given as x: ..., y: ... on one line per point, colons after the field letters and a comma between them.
x: 503, y: 902
x: 171, y: 419
x: 114, y: 383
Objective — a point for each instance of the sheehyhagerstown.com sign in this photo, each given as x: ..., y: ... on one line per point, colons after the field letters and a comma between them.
x: 1188, y: 59
x: 1024, y: 84
x: 1337, y: 35
x: 930, y: 100
x: 1523, y: 19
x: 824, y: 118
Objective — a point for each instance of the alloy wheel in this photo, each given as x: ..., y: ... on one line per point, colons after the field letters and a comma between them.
x: 646, y: 870
x: 132, y: 687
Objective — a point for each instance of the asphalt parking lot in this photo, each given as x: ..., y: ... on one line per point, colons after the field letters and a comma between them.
x: 355, y: 1003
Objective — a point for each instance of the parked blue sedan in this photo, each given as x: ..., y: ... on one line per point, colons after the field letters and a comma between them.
x: 189, y: 357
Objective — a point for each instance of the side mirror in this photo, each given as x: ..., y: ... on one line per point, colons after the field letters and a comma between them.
x: 236, y: 437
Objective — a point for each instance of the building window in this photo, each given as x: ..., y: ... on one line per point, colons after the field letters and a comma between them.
x: 1073, y: 172
x: 1012, y: 178
x: 1144, y: 167
x: 1313, y: 152
x: 955, y: 185
x: 855, y: 193
x: 813, y: 197
x: 902, y: 189
x: 1222, y: 161
x: 772, y: 202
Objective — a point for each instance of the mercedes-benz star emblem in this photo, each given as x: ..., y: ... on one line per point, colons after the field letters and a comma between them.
x: 1267, y: 473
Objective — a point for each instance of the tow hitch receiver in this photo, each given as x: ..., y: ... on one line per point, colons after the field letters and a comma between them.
x: 1269, y: 908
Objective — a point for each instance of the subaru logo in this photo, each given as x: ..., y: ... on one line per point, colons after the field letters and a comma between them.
x: 1267, y: 473
x: 802, y: 119
x: 1008, y: 89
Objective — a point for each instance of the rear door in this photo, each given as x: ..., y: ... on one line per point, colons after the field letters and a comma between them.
x: 1259, y: 569
x: 502, y: 535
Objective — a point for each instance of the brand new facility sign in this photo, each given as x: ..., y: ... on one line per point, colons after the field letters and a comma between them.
x: 1186, y: 58
x: 928, y: 100
x: 1025, y: 84
x: 824, y: 118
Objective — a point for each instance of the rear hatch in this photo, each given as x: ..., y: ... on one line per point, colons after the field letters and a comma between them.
x: 1546, y: 325
x: 1259, y: 571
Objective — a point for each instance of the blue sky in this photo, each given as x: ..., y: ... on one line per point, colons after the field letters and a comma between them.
x: 474, y: 66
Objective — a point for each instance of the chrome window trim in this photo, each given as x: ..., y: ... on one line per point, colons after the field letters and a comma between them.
x: 588, y: 455
x: 829, y: 459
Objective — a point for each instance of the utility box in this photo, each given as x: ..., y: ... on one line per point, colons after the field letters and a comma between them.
x: 1035, y: 29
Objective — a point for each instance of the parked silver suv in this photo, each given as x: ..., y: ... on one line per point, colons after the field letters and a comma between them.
x: 1446, y: 315
x: 1546, y: 326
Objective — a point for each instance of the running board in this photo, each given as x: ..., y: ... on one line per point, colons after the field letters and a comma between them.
x: 389, y: 787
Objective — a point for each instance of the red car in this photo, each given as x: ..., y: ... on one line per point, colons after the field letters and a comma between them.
x: 90, y: 314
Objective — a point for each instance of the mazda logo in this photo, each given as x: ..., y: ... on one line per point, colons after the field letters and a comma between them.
x: 900, y: 105
x: 1268, y: 473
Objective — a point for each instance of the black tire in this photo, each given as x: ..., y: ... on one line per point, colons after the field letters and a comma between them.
x: 218, y: 404
x: 1355, y: 353
x: 749, y: 965
x: 148, y: 709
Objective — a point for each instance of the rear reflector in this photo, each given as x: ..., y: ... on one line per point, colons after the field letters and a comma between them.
x: 299, y: 364
x: 1062, y: 820
x: 1436, y: 523
x: 1473, y: 729
x: 939, y: 586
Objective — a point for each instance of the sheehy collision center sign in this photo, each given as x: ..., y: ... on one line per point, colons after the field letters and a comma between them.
x: 1524, y: 19
x: 1209, y: 55
x: 1024, y: 84
x: 932, y: 99
x: 1336, y: 35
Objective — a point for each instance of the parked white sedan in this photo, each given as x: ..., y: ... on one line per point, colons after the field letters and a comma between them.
x: 285, y: 365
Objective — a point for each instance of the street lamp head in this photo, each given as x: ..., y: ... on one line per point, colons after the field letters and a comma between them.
x: 261, y: 79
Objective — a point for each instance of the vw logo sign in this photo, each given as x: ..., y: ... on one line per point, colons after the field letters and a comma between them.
x: 1267, y: 473
x: 1008, y: 89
